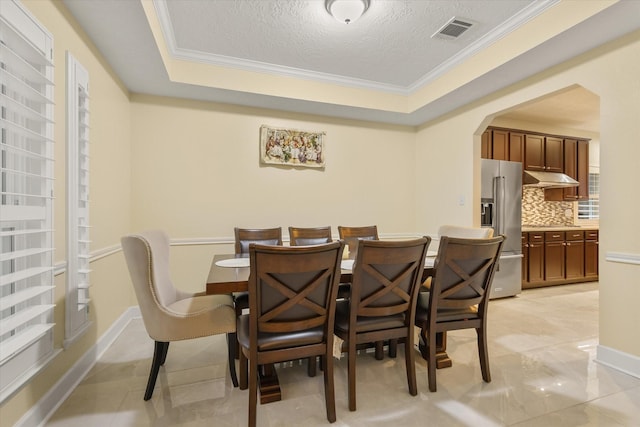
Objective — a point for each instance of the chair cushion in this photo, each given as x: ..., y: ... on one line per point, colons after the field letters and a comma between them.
x: 274, y: 341
x: 444, y: 314
x: 365, y: 324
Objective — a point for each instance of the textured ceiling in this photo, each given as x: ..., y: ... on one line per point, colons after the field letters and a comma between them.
x: 390, y: 44
x: 576, y: 108
x: 388, y: 50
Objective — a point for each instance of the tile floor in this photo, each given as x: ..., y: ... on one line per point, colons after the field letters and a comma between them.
x: 542, y: 350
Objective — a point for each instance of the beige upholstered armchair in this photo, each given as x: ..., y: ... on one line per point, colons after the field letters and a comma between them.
x: 168, y: 313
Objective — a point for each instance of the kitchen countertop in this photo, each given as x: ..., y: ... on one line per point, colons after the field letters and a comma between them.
x: 528, y: 228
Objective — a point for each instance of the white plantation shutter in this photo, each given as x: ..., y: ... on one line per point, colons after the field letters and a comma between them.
x: 26, y: 200
x: 78, y: 257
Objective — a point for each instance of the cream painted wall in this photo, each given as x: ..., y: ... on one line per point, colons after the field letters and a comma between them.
x: 611, y: 72
x: 109, y: 193
x: 197, y: 174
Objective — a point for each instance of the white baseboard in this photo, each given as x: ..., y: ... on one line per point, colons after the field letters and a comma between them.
x: 47, y: 405
x: 623, y: 362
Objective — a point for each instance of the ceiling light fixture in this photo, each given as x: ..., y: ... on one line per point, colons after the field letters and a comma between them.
x: 347, y: 11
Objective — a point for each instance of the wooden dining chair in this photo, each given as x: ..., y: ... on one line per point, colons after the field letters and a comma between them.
x: 352, y: 235
x: 304, y: 236
x: 384, y: 291
x: 243, y: 238
x: 170, y: 314
x: 460, y: 232
x: 263, y: 236
x: 459, y: 296
x: 292, y: 298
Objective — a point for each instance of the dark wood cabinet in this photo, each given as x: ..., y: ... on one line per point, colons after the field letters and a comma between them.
x: 559, y: 257
x: 525, y: 256
x: 534, y: 152
x: 535, y: 264
x: 539, y: 152
x: 576, y: 165
x: 516, y: 147
x: 496, y: 144
x: 485, y: 150
x: 553, y: 154
x: 591, y: 254
x: 554, y: 262
x: 500, y: 144
x: 583, y: 170
x: 543, y: 153
x: 574, y: 255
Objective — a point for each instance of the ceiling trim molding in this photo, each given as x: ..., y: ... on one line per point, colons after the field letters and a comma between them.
x: 282, y: 71
x: 530, y: 12
x: 525, y: 15
x: 164, y: 19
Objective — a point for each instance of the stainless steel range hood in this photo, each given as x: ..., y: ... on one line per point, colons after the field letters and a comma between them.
x: 548, y: 180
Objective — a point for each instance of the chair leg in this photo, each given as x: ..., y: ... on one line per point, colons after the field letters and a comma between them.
x: 379, y: 350
x: 329, y: 388
x: 483, y: 352
x: 159, y: 354
x: 393, y: 348
x: 232, y: 341
x: 351, y: 368
x: 430, y: 342
x: 253, y: 391
x: 243, y: 370
x: 165, y: 350
x: 409, y: 357
x: 311, y: 367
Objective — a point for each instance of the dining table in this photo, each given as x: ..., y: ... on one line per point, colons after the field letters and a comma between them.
x: 229, y: 273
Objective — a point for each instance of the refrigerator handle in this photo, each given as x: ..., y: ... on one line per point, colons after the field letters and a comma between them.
x: 498, y: 191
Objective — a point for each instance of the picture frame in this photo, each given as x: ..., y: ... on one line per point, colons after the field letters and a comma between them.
x: 292, y: 147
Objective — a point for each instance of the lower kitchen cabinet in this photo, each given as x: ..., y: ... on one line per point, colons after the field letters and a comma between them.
x: 535, y: 259
x: 591, y: 254
x: 554, y: 262
x: 574, y: 255
x: 559, y: 257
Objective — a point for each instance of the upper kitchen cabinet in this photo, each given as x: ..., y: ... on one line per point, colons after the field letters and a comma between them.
x: 576, y: 165
x: 486, y: 151
x: 502, y: 144
x: 543, y: 153
x: 516, y: 147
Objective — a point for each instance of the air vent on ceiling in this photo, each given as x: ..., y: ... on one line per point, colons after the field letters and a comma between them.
x: 453, y: 29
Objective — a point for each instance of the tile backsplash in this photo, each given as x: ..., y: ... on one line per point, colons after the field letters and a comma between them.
x: 537, y: 211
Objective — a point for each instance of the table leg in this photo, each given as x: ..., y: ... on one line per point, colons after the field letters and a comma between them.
x: 442, y: 358
x: 268, y: 384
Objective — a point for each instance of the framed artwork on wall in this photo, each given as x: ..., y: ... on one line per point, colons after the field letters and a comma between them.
x: 291, y: 147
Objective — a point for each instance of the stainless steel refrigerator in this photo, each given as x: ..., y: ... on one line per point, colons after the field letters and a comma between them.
x: 501, y: 209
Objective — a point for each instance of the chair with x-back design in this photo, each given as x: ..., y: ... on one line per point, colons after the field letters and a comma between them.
x: 384, y: 291
x: 459, y: 296
x: 292, y: 298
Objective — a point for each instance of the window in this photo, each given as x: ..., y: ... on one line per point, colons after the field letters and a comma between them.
x: 77, y: 296
x: 26, y: 205
x: 590, y: 209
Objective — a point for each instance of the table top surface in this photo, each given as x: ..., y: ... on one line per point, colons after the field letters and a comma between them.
x: 223, y: 280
